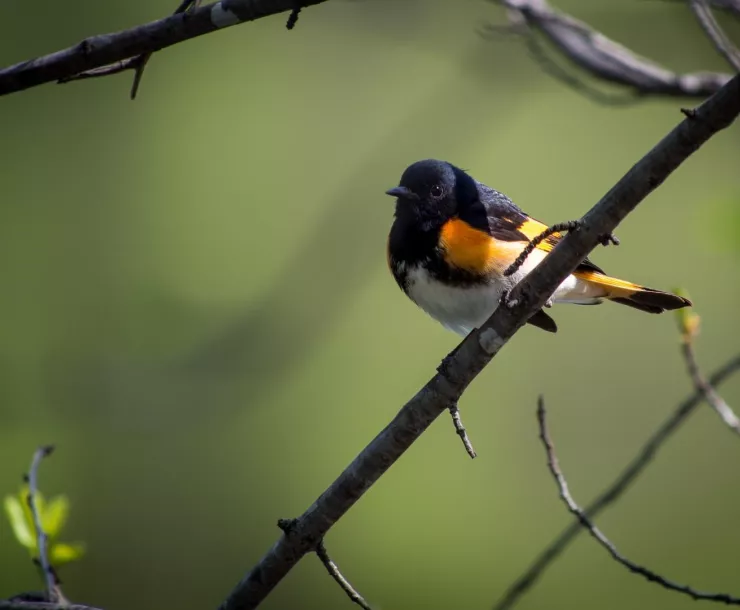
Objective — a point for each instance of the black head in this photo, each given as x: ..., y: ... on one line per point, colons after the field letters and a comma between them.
x: 431, y: 192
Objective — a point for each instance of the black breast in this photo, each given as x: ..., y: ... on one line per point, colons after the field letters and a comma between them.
x: 408, y: 246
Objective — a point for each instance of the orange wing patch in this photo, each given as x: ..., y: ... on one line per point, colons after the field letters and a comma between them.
x: 475, y: 251
x: 532, y: 228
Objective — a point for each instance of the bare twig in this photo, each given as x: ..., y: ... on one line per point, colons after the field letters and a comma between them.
x: 137, y: 63
x: 293, y: 18
x: 702, y: 385
x: 289, y: 528
x: 602, y: 57
x: 334, y: 572
x: 461, y: 431
x: 553, y: 465
x: 482, y: 345
x: 616, y: 488
x: 108, y: 50
x: 703, y: 12
x: 53, y: 590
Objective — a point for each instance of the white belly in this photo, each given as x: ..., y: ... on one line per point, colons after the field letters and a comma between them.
x: 461, y: 309
x: 456, y: 308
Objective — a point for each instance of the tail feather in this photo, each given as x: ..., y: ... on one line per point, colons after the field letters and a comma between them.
x: 633, y: 295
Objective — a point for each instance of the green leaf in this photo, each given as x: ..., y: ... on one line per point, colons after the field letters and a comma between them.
x: 22, y: 529
x: 63, y: 553
x: 55, y: 516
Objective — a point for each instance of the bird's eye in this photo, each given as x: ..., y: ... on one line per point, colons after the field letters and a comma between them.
x: 436, y: 191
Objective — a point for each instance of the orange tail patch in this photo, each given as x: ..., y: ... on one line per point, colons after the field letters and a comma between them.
x: 634, y: 295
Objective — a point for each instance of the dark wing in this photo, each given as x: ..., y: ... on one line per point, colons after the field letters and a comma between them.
x: 507, y: 222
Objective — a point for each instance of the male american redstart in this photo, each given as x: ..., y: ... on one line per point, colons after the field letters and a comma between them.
x: 453, y: 238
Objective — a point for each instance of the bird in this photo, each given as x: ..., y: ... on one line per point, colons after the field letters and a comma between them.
x: 453, y: 238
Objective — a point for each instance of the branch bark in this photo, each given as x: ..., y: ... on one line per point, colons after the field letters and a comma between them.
x: 105, y: 49
x: 481, y: 345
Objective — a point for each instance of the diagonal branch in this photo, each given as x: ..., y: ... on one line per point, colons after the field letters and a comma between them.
x: 602, y: 57
x: 482, y: 345
x: 703, y: 12
x: 628, y: 476
x: 106, y: 49
x: 598, y: 535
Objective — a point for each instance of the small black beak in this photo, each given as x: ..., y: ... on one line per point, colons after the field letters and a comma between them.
x: 402, y: 193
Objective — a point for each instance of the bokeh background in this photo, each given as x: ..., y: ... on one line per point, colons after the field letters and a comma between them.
x: 196, y: 310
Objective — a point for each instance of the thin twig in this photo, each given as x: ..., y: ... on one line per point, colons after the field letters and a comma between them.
x: 293, y: 18
x: 289, y: 527
x: 137, y: 63
x: 705, y: 388
x: 334, y: 572
x: 553, y: 465
x: 53, y: 589
x: 461, y: 431
x: 704, y: 15
x: 455, y: 410
x: 569, y: 225
x: 616, y: 488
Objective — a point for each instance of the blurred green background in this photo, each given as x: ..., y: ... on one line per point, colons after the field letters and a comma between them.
x: 196, y: 309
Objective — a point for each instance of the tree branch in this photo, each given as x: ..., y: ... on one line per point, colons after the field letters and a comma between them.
x: 703, y: 12
x: 102, y: 51
x: 598, y: 535
x: 481, y: 345
x: 53, y: 590
x: 602, y: 57
x: 617, y: 487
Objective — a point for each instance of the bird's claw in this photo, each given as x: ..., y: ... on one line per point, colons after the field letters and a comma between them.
x: 608, y: 238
